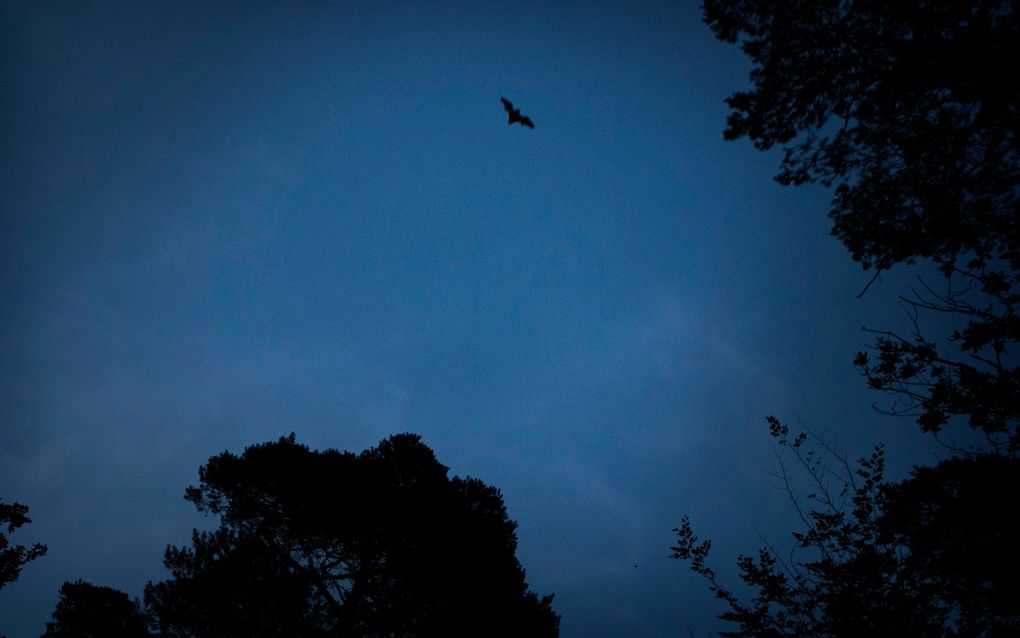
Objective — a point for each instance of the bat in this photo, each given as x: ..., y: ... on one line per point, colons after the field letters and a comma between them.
x: 514, y: 115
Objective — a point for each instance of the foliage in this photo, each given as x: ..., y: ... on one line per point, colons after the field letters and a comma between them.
x: 315, y: 543
x: 958, y: 532
x: 931, y: 556
x: 13, y: 558
x: 85, y: 610
x: 226, y: 584
x: 909, y: 108
x: 911, y: 111
x: 981, y: 383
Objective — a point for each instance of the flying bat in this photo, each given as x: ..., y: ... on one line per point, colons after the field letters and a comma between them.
x: 514, y: 115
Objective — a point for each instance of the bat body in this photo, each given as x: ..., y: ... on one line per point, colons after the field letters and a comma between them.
x: 514, y: 115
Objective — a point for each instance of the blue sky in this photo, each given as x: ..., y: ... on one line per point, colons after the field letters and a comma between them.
x: 220, y: 225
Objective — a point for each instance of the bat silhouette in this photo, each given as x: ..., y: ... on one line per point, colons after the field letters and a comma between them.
x: 514, y: 115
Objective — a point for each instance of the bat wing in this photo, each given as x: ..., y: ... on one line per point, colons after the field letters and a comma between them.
x: 526, y: 121
x: 507, y: 105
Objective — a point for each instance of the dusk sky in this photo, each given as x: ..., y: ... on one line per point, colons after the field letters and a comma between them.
x: 223, y: 222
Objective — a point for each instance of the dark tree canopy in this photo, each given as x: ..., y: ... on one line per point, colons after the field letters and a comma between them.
x: 85, y: 610
x: 955, y: 530
x: 909, y: 108
x: 911, y: 111
x: 328, y: 543
x: 934, y: 555
x: 229, y: 585
x: 13, y: 558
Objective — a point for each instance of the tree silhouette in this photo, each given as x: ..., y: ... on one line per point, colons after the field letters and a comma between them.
x: 13, y: 558
x: 955, y: 532
x: 227, y: 584
x: 316, y: 543
x: 911, y: 111
x: 85, y: 610
x: 931, y: 556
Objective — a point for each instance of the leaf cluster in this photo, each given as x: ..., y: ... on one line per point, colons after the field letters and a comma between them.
x: 910, y: 111
x: 979, y: 383
x: 85, y: 610
x: 933, y: 555
x: 14, y: 557
x: 328, y: 543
